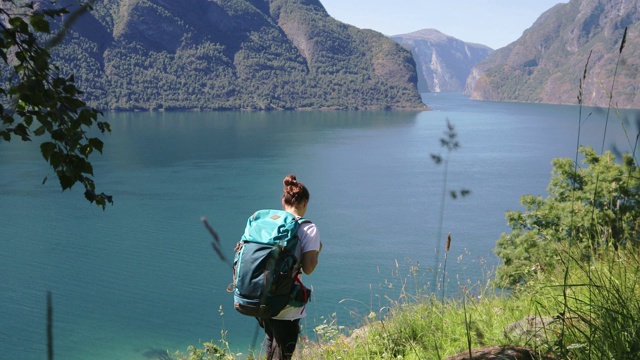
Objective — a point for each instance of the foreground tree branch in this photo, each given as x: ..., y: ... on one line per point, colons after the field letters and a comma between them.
x: 36, y: 100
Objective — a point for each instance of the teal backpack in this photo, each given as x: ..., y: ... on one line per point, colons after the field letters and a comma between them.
x: 265, y: 265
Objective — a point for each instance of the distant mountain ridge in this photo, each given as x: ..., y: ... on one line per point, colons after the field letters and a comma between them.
x: 547, y: 63
x: 443, y: 62
x: 234, y: 54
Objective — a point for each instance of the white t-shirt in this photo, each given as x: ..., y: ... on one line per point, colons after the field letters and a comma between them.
x: 309, y: 241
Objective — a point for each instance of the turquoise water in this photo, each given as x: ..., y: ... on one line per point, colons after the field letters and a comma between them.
x: 141, y: 277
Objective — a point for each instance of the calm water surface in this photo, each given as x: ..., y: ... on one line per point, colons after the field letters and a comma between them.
x: 141, y: 277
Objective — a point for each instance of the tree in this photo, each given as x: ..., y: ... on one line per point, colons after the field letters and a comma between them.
x: 591, y: 209
x: 36, y: 100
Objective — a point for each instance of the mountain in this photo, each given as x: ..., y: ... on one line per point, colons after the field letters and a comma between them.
x: 547, y: 64
x: 443, y: 62
x: 233, y: 54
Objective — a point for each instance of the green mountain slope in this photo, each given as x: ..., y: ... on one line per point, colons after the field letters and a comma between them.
x: 547, y: 63
x: 234, y: 54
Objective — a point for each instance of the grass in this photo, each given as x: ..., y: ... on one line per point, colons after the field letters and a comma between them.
x: 428, y: 328
x: 582, y: 311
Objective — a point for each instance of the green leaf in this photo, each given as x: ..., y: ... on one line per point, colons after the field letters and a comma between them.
x: 84, y: 118
x: 85, y: 166
x: 6, y: 118
x: 66, y: 181
x: 47, y: 149
x: 22, y: 131
x: 28, y: 120
x: 40, y: 131
x: 85, y: 150
x: 56, y: 159
x: 58, y: 135
x: 104, y: 126
x: 39, y: 23
x: 18, y: 24
x: 96, y: 144
x: 90, y: 195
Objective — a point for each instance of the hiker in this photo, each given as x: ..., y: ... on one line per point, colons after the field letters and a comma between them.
x: 283, y: 329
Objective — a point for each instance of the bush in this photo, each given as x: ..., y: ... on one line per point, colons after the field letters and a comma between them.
x: 588, y: 208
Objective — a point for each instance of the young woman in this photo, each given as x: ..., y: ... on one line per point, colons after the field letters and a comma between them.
x: 282, y: 330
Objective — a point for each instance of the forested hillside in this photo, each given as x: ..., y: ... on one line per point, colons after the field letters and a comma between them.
x: 547, y: 63
x: 233, y: 54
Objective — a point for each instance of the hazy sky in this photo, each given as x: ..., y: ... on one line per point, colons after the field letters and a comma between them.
x: 495, y: 23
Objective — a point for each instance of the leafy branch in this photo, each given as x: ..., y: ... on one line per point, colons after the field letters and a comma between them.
x: 35, y: 100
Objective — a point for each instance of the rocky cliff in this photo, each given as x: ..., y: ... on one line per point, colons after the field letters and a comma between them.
x: 233, y: 54
x: 443, y: 62
x: 547, y: 63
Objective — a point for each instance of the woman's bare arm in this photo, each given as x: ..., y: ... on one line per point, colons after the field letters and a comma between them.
x: 310, y: 260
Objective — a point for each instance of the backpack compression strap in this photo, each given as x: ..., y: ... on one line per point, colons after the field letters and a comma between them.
x: 305, y: 291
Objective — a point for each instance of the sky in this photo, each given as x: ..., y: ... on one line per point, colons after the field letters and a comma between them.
x: 494, y: 23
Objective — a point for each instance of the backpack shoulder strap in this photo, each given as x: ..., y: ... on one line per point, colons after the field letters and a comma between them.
x: 302, y: 220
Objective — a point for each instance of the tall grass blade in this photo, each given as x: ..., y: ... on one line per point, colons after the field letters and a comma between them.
x: 615, y: 75
x: 49, y: 326
x: 575, y: 167
x: 467, y: 325
x: 450, y: 143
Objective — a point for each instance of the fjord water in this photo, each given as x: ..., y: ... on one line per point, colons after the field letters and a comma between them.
x: 141, y: 277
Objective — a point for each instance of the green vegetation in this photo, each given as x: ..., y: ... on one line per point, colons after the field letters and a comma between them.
x: 235, y: 55
x: 36, y: 100
x: 582, y: 310
x: 593, y: 210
